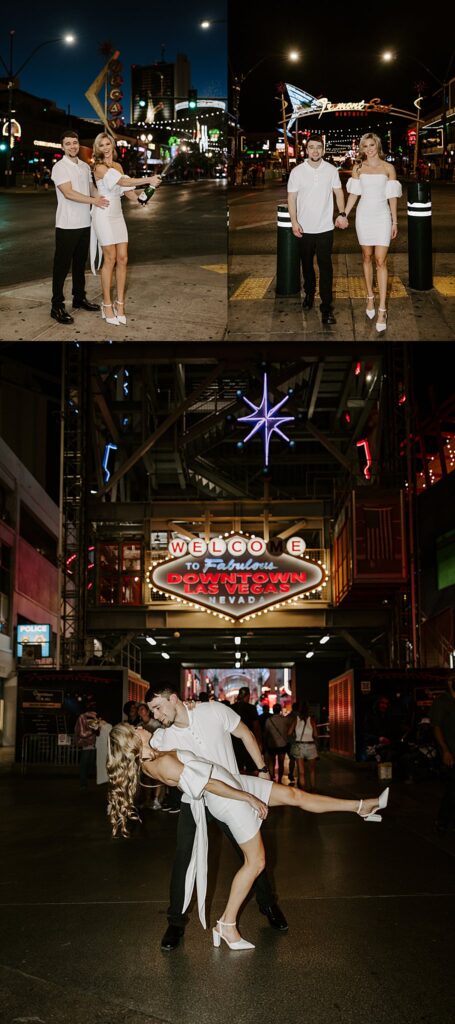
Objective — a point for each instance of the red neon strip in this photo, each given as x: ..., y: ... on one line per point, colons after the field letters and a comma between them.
x: 366, y: 447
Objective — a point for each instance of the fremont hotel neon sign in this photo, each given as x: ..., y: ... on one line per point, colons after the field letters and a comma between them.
x: 236, y: 576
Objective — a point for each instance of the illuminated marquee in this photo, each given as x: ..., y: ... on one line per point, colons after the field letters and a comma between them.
x: 306, y: 105
x: 237, y: 577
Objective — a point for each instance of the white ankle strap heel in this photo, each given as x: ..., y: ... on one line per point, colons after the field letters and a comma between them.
x: 109, y: 319
x: 371, y: 313
x: 381, y: 804
x: 218, y: 935
x: 382, y: 324
x: 120, y: 316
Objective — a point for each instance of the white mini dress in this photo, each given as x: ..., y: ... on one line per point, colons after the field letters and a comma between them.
x: 373, y: 221
x: 242, y: 820
x: 108, y: 225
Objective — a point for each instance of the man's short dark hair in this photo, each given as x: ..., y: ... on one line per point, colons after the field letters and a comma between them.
x: 315, y: 138
x: 69, y: 134
x: 160, y: 690
x: 127, y: 707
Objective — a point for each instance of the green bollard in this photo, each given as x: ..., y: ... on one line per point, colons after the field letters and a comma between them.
x: 287, y: 255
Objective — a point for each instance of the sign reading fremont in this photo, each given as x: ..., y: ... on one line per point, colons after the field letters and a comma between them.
x: 238, y: 576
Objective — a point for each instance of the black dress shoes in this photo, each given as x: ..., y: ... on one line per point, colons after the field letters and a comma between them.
x: 308, y: 302
x: 59, y: 313
x: 328, y: 318
x: 171, y: 937
x: 275, y: 917
x: 91, y: 307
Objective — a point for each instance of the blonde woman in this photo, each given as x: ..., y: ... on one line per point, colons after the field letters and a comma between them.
x: 109, y: 231
x: 375, y: 181
x: 241, y: 802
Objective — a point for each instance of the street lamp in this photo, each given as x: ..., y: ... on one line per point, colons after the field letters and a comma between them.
x: 238, y: 81
x: 388, y: 56
x: 12, y: 74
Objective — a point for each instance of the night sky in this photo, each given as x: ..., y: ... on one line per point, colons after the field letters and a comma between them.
x: 63, y: 73
x: 340, y: 54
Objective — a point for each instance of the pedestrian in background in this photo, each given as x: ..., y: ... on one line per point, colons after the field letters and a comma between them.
x: 130, y: 710
x: 249, y: 716
x: 290, y: 721
x: 276, y: 740
x: 85, y: 732
x: 304, y: 747
x: 443, y: 721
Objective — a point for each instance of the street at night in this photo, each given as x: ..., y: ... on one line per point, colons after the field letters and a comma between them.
x: 174, y: 243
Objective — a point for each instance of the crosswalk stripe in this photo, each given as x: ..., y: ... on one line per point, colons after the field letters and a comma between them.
x: 252, y: 288
x: 445, y: 285
x: 216, y: 268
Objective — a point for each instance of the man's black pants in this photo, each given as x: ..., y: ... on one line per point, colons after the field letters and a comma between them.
x: 320, y: 246
x: 185, y: 839
x: 71, y: 248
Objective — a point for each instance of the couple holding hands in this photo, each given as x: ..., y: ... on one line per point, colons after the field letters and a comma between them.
x: 311, y: 187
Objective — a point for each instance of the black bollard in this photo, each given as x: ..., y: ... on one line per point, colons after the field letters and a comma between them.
x: 287, y: 255
x: 420, y: 255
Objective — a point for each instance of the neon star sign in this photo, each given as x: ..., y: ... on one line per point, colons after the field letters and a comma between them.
x: 266, y: 420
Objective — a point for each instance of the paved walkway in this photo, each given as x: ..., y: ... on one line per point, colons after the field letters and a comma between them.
x: 370, y: 910
x: 171, y: 300
x: 256, y: 313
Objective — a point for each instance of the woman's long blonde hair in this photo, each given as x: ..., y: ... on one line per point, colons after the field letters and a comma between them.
x: 367, y: 138
x: 123, y: 769
x: 98, y: 156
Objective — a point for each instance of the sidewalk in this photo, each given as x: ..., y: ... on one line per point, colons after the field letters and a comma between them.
x: 256, y: 313
x: 169, y: 300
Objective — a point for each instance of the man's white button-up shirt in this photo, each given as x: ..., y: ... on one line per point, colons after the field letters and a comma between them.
x: 207, y: 735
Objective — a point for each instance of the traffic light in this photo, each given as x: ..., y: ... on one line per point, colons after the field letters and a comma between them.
x: 192, y: 99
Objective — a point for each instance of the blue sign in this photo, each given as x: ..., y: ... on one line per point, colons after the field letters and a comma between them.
x: 33, y: 634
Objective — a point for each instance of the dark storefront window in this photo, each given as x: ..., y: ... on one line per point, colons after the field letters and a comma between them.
x: 120, y: 573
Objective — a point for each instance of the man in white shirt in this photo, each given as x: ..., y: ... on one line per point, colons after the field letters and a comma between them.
x: 206, y: 731
x: 311, y: 187
x: 76, y: 193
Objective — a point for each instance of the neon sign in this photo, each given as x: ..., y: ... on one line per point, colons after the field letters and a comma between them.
x: 265, y: 420
x: 306, y: 105
x: 238, y: 577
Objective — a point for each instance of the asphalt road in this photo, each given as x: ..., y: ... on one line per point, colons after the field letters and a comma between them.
x: 180, y: 220
x: 253, y: 221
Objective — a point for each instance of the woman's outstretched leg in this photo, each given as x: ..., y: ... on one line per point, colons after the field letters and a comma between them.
x: 254, y: 863
x: 314, y: 803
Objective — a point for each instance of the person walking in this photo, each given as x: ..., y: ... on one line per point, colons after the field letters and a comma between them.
x: 442, y: 717
x: 75, y: 195
x: 311, y: 187
x: 249, y: 716
x: 206, y: 731
x: 304, y: 746
x: 374, y: 180
x: 109, y: 231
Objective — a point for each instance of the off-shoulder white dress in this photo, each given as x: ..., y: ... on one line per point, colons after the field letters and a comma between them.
x: 373, y: 219
x: 108, y: 224
x: 242, y: 819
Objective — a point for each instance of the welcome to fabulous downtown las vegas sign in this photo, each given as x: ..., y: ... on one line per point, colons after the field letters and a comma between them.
x: 237, y: 577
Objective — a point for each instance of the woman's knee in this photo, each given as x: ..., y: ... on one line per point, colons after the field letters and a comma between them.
x: 109, y: 259
x: 122, y: 259
x: 366, y: 256
x: 380, y: 262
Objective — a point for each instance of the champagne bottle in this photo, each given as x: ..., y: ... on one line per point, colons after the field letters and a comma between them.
x: 146, y: 194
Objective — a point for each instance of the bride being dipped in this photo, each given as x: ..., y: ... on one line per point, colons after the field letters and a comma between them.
x: 109, y: 231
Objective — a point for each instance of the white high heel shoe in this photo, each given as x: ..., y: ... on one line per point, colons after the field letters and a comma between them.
x: 120, y: 317
x: 371, y: 313
x: 218, y: 935
x: 382, y: 325
x: 109, y: 319
x: 381, y: 804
